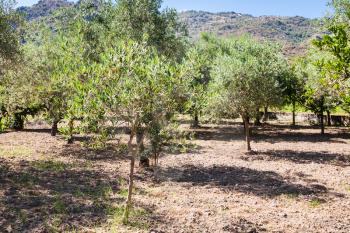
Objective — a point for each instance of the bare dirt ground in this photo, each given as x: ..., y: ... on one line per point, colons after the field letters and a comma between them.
x: 295, y: 181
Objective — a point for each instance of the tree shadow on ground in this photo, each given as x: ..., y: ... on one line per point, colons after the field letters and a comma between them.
x: 303, y: 157
x: 109, y: 153
x: 49, y: 196
x: 275, y: 137
x: 34, y: 130
x: 219, y: 133
x: 269, y: 133
x: 245, y: 180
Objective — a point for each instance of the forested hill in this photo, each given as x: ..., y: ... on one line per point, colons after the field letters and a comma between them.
x: 294, y: 32
x: 44, y: 8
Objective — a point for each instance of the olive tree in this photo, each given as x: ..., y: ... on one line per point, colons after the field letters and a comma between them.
x: 10, y: 21
x: 337, y: 43
x: 134, y: 87
x: 244, y: 75
x: 317, y: 95
x: 198, y: 63
x: 136, y: 18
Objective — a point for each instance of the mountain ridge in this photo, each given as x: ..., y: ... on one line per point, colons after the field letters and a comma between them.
x: 293, y: 33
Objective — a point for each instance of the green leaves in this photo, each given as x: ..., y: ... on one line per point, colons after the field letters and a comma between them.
x: 246, y: 77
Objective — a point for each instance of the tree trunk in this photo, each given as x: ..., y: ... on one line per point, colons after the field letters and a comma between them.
x: 70, y: 131
x: 128, y: 204
x: 322, y: 123
x: 321, y: 115
x: 257, y: 118
x: 18, y: 121
x: 265, y: 114
x: 140, y: 140
x: 293, y: 114
x: 247, y: 133
x: 195, y: 123
x: 54, y: 128
x: 329, y: 120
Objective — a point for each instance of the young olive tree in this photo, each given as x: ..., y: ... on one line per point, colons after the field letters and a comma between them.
x: 198, y: 63
x: 241, y: 76
x: 134, y: 87
x: 292, y: 88
x: 10, y: 52
x: 317, y: 96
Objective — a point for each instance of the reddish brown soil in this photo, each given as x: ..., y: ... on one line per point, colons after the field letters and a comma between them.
x: 294, y: 181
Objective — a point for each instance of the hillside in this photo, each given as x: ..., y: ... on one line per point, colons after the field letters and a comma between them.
x: 43, y: 8
x: 292, y: 32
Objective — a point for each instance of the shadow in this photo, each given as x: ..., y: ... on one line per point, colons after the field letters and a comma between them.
x: 226, y: 133
x: 302, y: 157
x: 270, y: 133
x: 43, y: 196
x: 240, y: 179
x: 110, y: 153
x: 39, y: 130
x: 278, y: 136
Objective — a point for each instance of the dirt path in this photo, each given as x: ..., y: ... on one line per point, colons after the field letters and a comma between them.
x: 295, y: 181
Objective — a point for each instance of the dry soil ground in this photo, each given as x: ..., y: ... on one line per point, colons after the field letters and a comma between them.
x: 295, y: 181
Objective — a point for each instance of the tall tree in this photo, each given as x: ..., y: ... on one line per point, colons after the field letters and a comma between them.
x: 337, y: 44
x: 198, y: 64
x: 9, y: 44
x: 10, y: 39
x: 143, y: 20
x: 241, y: 76
x: 317, y: 94
x: 133, y: 86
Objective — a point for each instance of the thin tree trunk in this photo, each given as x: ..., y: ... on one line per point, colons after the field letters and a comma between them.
x: 128, y: 204
x: 329, y: 120
x: 140, y: 140
x: 195, y: 123
x: 70, y: 131
x: 247, y: 133
x: 322, y: 123
x: 257, y: 119
x: 266, y: 114
x: 293, y: 114
x: 54, y: 128
x: 322, y: 117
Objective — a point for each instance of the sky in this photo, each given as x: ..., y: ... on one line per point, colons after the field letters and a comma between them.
x: 306, y: 8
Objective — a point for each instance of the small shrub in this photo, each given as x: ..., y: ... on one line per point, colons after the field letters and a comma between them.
x: 315, y: 202
x: 59, y: 207
x: 136, y: 218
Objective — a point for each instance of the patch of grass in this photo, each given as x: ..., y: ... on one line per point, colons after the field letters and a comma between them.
x: 86, y: 165
x: 292, y: 196
x: 59, y: 206
x: 106, y: 191
x: 136, y: 218
x: 122, y: 181
x: 123, y: 192
x: 315, y: 203
x: 25, y: 179
x: 52, y: 225
x: 347, y: 188
x: 22, y: 215
x: 16, y: 152
x: 181, y: 146
x: 103, y: 191
x: 49, y: 165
